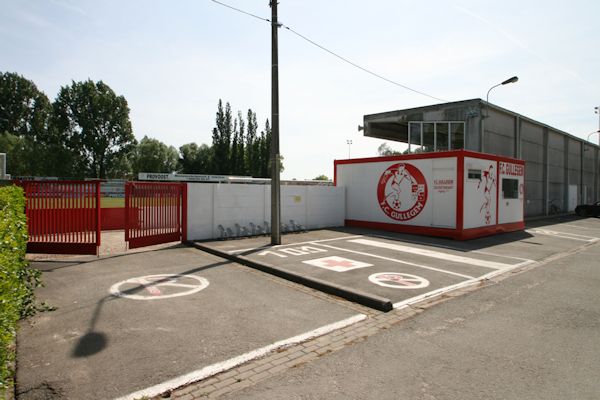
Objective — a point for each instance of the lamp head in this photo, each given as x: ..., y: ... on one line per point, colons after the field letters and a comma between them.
x: 511, y: 80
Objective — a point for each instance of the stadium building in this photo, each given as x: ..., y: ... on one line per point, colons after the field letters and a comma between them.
x: 561, y: 170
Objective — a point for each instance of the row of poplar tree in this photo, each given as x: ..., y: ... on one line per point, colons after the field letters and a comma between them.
x: 86, y: 133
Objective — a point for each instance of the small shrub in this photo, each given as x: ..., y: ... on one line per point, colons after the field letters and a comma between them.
x: 17, y: 282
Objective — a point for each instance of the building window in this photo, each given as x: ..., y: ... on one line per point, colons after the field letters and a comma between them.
x: 457, y: 135
x: 428, y: 136
x: 435, y: 136
x: 414, y: 138
x: 510, y: 188
x: 474, y: 174
x: 441, y: 137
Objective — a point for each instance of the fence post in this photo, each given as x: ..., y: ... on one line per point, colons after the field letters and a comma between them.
x: 127, y: 211
x: 98, y: 219
x: 184, y: 212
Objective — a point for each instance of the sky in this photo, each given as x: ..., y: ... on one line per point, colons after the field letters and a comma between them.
x: 174, y: 60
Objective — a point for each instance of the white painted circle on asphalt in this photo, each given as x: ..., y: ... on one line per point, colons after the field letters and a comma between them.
x: 158, y: 287
x: 398, y: 281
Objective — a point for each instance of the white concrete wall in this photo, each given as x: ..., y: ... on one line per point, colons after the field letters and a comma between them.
x: 366, y: 181
x: 213, y: 204
x: 480, y: 199
x: 509, y: 209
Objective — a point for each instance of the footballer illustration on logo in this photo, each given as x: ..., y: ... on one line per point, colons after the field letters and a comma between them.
x: 402, y: 191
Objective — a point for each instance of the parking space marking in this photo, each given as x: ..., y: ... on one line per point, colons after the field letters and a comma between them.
x: 563, y: 235
x: 433, y: 254
x: 404, y: 240
x: 487, y: 253
x: 214, y: 369
x: 456, y: 286
x: 398, y: 261
x: 294, y: 244
x: 581, y: 227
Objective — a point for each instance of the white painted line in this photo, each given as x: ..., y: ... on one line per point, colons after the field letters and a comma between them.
x: 442, y: 246
x: 487, y: 253
x: 153, y: 283
x: 293, y: 244
x: 460, y: 285
x: 580, y: 227
x: 563, y: 235
x: 404, y: 240
x: 214, y: 369
x: 433, y: 254
x: 399, y: 261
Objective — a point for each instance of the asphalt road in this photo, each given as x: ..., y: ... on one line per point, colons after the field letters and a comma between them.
x: 97, y: 345
x: 531, y: 336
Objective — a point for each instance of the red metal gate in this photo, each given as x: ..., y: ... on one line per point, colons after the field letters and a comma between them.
x: 155, y: 213
x: 63, y: 217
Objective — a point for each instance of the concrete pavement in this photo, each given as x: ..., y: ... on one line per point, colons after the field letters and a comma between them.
x: 532, y: 336
x: 126, y: 323
x: 149, y: 323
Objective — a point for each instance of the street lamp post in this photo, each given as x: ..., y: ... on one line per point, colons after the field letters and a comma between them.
x: 510, y: 80
x: 349, y: 143
x: 487, y: 100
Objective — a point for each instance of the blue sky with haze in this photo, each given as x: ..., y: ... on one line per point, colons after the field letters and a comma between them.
x: 173, y: 61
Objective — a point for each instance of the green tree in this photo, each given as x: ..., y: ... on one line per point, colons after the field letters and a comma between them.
x: 195, y: 159
x: 152, y: 155
x: 221, y: 140
x: 238, y: 148
x: 252, y: 146
x: 24, y: 109
x: 321, y: 178
x: 265, y: 152
x: 385, y: 150
x: 93, y: 122
x: 24, y: 116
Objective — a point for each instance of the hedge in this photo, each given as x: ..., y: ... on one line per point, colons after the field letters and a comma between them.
x: 17, y: 282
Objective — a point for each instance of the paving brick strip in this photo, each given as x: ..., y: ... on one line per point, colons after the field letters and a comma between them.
x: 274, y: 364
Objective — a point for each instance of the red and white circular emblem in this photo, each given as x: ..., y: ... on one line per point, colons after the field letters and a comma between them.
x: 402, y: 191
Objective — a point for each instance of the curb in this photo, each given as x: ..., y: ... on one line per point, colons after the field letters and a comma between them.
x: 372, y: 301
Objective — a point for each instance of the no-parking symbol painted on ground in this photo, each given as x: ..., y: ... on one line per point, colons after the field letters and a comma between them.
x: 398, y: 281
x: 161, y: 286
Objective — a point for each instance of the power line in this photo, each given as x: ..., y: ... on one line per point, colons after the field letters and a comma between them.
x: 333, y: 53
x: 359, y: 67
x: 241, y: 11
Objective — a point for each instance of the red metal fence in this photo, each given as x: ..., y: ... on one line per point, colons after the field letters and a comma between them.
x: 63, y: 217
x: 155, y: 213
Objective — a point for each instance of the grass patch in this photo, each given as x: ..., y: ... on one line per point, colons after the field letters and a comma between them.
x: 112, y: 202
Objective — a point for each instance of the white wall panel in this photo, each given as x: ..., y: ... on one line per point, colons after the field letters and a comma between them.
x: 480, y: 194
x: 401, y: 192
x: 511, y: 209
x: 211, y: 205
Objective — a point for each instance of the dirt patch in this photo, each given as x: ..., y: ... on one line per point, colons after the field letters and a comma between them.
x: 44, y: 391
x: 112, y: 243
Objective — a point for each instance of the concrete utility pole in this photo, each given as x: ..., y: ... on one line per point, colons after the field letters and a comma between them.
x: 597, y: 110
x: 275, y: 182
